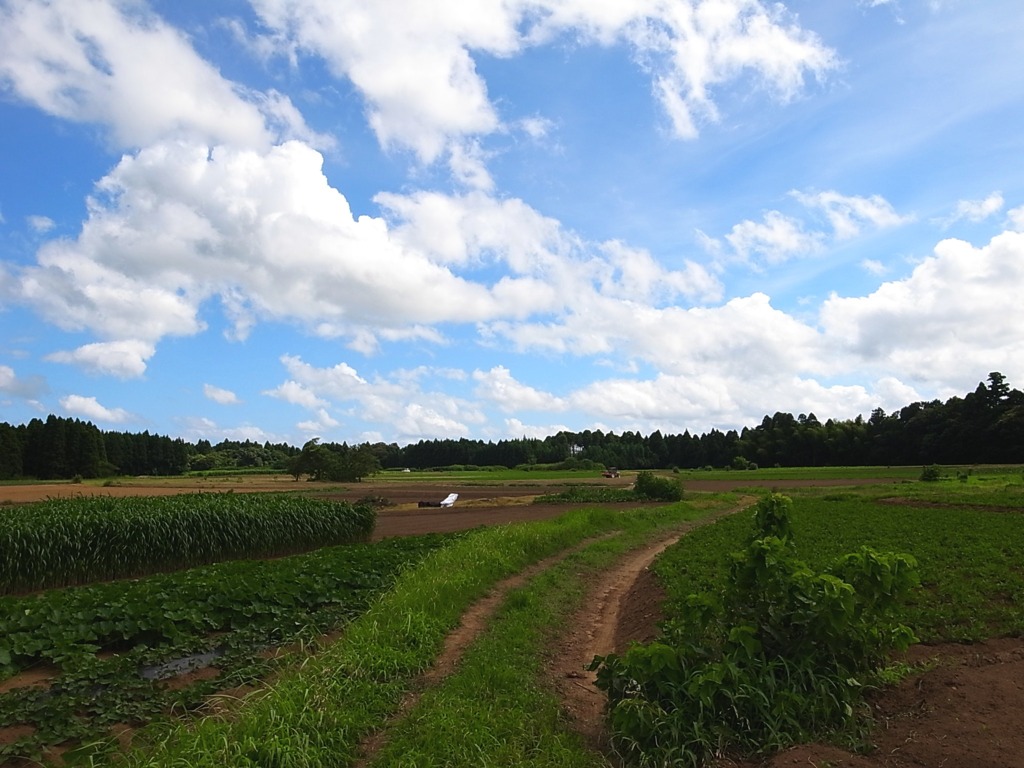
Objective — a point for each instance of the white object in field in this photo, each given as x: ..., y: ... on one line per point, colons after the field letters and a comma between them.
x: 449, y: 500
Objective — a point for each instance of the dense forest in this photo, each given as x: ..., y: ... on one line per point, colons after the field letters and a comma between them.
x: 984, y: 426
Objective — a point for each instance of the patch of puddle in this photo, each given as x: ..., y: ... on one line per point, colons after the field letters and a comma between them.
x: 181, y: 666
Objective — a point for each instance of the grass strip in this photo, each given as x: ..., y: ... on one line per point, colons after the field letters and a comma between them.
x: 496, y: 709
x: 318, y: 714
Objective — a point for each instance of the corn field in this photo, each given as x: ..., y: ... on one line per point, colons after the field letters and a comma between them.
x: 62, y: 542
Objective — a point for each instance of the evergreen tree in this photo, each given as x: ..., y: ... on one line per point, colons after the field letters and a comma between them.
x: 10, y: 453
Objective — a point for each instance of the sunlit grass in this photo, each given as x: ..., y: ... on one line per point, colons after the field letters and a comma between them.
x: 498, y: 710
x: 317, y: 715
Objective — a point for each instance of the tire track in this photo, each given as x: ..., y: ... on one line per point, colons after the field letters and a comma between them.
x: 473, y: 623
x: 593, y: 633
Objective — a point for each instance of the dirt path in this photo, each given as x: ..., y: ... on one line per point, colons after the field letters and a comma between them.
x: 596, y: 630
x: 472, y: 624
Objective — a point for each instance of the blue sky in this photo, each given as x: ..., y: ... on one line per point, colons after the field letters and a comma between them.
x: 396, y: 220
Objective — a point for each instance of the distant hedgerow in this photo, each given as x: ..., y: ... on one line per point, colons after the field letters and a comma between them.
x: 648, y: 487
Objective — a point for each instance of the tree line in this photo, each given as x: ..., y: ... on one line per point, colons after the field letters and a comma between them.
x: 60, y: 448
x: 984, y: 426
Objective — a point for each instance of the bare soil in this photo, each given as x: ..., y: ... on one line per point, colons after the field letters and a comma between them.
x: 963, y: 713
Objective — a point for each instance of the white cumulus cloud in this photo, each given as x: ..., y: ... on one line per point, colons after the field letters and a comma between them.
x: 125, y: 359
x: 398, y: 400
x: 221, y: 396
x: 89, y: 408
x: 776, y: 239
x: 177, y: 224
x: 120, y: 65
x: 414, y: 63
x: 499, y: 387
x: 514, y: 428
x: 956, y: 314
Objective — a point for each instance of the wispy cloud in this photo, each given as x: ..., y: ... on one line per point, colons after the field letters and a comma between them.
x: 849, y: 214
x: 29, y: 388
x: 41, y: 224
x: 1015, y: 218
x: 975, y: 210
x: 874, y: 267
x: 221, y: 396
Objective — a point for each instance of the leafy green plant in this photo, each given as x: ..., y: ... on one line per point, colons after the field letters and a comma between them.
x: 587, y: 494
x: 110, y: 645
x: 657, y: 488
x: 782, y: 653
x: 930, y: 474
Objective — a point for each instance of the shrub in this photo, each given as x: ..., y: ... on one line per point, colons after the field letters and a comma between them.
x: 930, y: 474
x: 574, y: 463
x: 655, y: 488
x: 782, y: 654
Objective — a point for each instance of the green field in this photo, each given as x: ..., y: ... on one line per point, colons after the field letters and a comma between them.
x: 398, y: 602
x: 106, y: 648
x: 762, y: 477
x: 964, y: 539
x: 81, y: 539
x: 485, y: 476
x: 969, y: 547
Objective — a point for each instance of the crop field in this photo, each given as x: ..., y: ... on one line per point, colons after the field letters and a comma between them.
x: 307, y: 659
x: 965, y: 535
x: 969, y: 556
x: 77, y: 540
x: 75, y: 660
